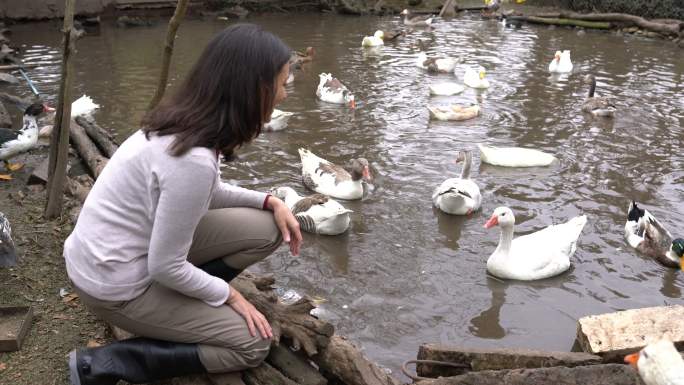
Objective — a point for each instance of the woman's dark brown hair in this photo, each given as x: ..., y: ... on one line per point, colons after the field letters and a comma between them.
x: 227, y: 95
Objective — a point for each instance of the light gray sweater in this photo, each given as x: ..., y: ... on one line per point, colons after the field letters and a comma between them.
x: 138, y: 221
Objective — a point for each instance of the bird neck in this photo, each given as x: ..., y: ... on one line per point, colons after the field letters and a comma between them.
x: 505, y: 240
x: 29, y: 124
x: 465, y: 173
x: 592, y: 88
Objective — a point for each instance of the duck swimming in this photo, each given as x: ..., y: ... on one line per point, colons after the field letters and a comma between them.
x: 13, y: 143
x: 316, y: 213
x: 416, y: 20
x: 454, y: 112
x: 514, y: 156
x: 646, y: 234
x: 436, y: 64
x: 561, y: 63
x: 8, y: 256
x: 542, y: 254
x: 375, y: 40
x: 595, y: 105
x: 476, y: 78
x: 278, y: 121
x: 459, y: 196
x: 659, y: 363
x: 332, y: 90
x: 330, y: 179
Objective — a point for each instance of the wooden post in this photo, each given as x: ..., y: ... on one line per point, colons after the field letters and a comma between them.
x: 174, y: 23
x: 59, y: 142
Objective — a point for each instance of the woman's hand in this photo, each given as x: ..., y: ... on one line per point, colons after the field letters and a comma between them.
x: 287, y: 224
x: 254, y: 319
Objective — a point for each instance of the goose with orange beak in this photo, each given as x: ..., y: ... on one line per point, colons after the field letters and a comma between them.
x: 659, y: 363
x: 542, y: 254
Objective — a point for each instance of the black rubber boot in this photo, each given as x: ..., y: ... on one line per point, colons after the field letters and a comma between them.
x: 218, y: 268
x: 136, y: 360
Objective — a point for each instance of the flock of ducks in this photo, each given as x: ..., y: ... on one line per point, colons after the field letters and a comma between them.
x: 542, y: 254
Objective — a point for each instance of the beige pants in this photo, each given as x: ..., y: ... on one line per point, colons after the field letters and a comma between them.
x: 241, y: 236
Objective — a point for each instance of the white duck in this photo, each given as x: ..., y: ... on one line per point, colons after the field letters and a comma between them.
x: 332, y: 90
x: 436, y: 64
x: 514, y: 156
x: 446, y: 89
x: 316, y: 213
x: 646, y: 234
x: 595, y: 105
x: 538, y: 255
x: 375, y: 40
x: 13, y: 143
x: 454, y: 112
x: 659, y: 363
x: 476, y: 78
x: 459, y: 196
x: 81, y: 106
x: 416, y: 20
x: 561, y: 63
x: 278, y: 120
x: 330, y: 179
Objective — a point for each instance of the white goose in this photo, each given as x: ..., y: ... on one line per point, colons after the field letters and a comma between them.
x: 476, y: 78
x: 332, y: 90
x: 538, y: 255
x: 446, y: 89
x: 514, y: 156
x: 81, y: 106
x: 659, y: 363
x: 278, y: 120
x: 646, y: 234
x: 561, y: 63
x: 330, y: 179
x: 459, y: 196
x: 375, y: 40
x: 316, y: 213
x: 436, y: 64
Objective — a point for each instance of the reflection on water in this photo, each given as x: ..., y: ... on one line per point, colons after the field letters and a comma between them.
x: 406, y: 274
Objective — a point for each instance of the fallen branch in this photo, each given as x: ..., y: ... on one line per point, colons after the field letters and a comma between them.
x: 664, y: 28
x: 558, y: 21
x: 87, y: 149
x: 102, y: 138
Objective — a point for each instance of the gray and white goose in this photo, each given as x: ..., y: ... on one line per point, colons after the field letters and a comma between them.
x: 317, y: 213
x: 595, y: 105
x: 416, y: 20
x: 330, y: 179
x: 459, y: 196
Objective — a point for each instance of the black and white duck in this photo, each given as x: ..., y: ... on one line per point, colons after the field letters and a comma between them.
x: 646, y: 234
x: 8, y: 256
x: 13, y: 142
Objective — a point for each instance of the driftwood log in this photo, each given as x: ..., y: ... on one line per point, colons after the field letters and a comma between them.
x: 666, y: 27
x: 87, y: 150
x: 105, y: 142
x: 559, y: 21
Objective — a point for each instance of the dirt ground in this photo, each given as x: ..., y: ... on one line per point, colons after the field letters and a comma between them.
x: 60, y: 322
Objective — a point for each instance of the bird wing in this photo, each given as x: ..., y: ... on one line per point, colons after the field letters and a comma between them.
x: 339, y: 172
x: 7, y: 135
x: 306, y: 203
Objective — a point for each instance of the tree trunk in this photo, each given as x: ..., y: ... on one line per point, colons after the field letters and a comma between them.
x: 174, y: 23
x: 104, y: 141
x: 59, y: 143
x: 87, y: 150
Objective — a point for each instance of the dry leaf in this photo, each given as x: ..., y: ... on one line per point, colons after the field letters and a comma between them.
x: 3, y: 366
x: 61, y: 316
x: 93, y: 344
x: 70, y: 297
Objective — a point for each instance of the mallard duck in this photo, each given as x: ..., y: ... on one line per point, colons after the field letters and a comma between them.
x: 278, y: 120
x: 597, y: 106
x: 332, y: 90
x: 373, y: 41
x: 436, y: 64
x: 416, y: 20
x: 454, y: 112
x: 330, y: 179
x: 659, y: 363
x: 13, y: 143
x: 514, y: 156
x: 8, y: 256
x: 459, y: 196
x: 542, y: 254
x: 561, y: 63
x: 446, y: 89
x: 645, y: 233
x: 476, y: 78
x: 316, y: 213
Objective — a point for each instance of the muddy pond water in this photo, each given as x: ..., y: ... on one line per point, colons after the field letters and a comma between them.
x: 406, y: 274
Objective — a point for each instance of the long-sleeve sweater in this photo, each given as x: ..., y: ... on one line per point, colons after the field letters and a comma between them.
x: 137, y: 224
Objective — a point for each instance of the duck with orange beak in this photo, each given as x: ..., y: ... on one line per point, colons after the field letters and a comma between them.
x: 659, y: 363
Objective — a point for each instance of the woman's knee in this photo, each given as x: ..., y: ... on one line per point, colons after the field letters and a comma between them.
x: 256, y: 353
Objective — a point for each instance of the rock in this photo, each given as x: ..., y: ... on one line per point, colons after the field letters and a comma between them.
x: 653, y: 34
x: 495, y: 359
x: 127, y: 21
x: 631, y: 29
x: 611, y: 374
x: 614, y: 335
x: 5, y: 118
x: 8, y: 78
x: 235, y: 12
